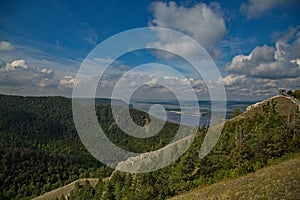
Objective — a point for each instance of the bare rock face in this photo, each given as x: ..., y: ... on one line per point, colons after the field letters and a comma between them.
x: 149, y: 161
x: 252, y: 106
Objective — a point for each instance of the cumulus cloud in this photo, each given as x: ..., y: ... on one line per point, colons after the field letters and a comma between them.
x: 241, y: 85
x: 256, y: 8
x: 266, y: 68
x: 14, y: 64
x: 204, y: 23
x: 6, y: 46
x: 46, y: 71
x: 67, y: 82
x: 173, y: 43
x: 150, y: 85
x: 18, y: 74
x: 268, y: 62
x: 232, y: 79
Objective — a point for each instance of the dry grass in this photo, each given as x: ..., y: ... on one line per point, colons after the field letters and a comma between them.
x: 280, y: 181
x: 284, y: 105
x: 65, y: 190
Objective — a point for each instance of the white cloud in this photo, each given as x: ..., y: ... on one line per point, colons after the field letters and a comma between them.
x: 67, y: 82
x: 19, y: 63
x: 174, y: 43
x: 6, y: 46
x: 256, y: 8
x: 265, y: 68
x: 232, y: 79
x: 18, y: 74
x: 46, y: 71
x: 14, y: 64
x: 204, y: 23
x: 266, y: 62
x: 154, y: 87
x: 243, y: 86
x: 297, y: 61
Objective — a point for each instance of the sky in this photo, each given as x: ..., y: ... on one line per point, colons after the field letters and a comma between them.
x: 254, y: 44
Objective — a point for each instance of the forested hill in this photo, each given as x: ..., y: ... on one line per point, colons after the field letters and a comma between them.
x: 286, y: 106
x: 40, y: 149
x: 249, y: 142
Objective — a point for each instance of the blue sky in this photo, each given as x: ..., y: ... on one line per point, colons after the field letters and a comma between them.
x: 255, y: 44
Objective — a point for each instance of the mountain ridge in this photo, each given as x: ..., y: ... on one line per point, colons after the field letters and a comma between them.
x: 285, y: 104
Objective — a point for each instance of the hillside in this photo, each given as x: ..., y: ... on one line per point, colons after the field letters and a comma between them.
x: 279, y: 181
x: 248, y: 143
x: 284, y: 105
x: 66, y: 190
x: 40, y: 149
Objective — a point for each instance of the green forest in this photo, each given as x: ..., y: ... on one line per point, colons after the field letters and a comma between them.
x: 40, y: 150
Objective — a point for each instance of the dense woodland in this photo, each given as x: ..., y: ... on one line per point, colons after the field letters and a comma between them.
x: 245, y: 146
x: 40, y: 151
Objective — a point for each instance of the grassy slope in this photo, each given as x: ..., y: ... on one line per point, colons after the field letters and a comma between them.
x: 284, y: 105
x: 65, y: 190
x: 279, y: 181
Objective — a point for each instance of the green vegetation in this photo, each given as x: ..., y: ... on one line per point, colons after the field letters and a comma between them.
x: 245, y: 146
x: 41, y: 151
x: 280, y: 181
x: 236, y: 112
x: 39, y: 147
x: 67, y: 189
x: 295, y: 94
